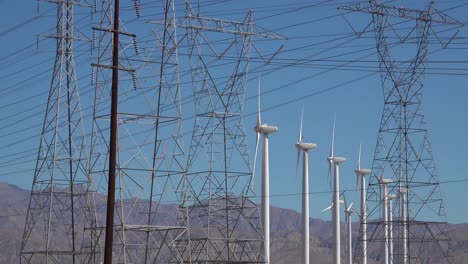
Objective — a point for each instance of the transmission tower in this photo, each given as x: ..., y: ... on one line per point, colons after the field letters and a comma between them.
x: 59, y: 205
x: 150, y: 151
x: 403, y: 152
x: 224, y: 225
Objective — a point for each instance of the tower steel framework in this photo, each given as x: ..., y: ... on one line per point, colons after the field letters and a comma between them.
x: 60, y: 204
x: 150, y: 151
x: 403, y: 151
x: 224, y: 225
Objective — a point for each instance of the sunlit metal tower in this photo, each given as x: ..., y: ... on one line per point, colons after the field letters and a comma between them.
x: 150, y: 152
x: 224, y: 225
x: 403, y: 152
x: 58, y: 207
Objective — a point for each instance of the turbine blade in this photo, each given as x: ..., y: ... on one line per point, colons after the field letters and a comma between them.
x: 333, y: 137
x: 299, y: 141
x: 329, y: 174
x: 357, y: 181
x: 331, y: 153
x: 349, y: 208
x: 300, y: 130
x: 257, y: 139
x: 358, y: 169
x: 345, y: 202
x: 259, y: 120
x: 328, y: 208
x: 359, y: 158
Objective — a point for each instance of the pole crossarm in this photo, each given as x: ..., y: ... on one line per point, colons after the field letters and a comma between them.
x: 429, y: 15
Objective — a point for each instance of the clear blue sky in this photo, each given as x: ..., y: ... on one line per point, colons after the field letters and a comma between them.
x: 313, y: 31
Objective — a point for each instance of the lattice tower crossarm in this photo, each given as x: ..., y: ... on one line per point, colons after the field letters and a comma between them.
x: 219, y: 172
x: 59, y: 205
x: 403, y: 151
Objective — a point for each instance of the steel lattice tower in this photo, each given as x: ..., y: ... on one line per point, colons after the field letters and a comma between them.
x: 225, y: 225
x: 59, y: 205
x: 403, y: 152
x: 151, y: 160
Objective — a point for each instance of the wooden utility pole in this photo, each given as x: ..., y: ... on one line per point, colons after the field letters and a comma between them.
x: 113, y: 139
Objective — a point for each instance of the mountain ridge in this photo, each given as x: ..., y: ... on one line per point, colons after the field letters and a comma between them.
x: 285, y: 231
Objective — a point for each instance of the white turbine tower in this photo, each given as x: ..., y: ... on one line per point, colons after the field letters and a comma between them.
x: 361, y: 174
x: 304, y: 147
x: 403, y: 192
x: 264, y: 130
x: 390, y: 198
x: 348, y: 213
x: 336, y: 196
x: 384, y: 190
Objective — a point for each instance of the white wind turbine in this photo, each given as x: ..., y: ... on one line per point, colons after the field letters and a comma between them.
x: 304, y: 147
x: 264, y: 130
x: 348, y: 213
x: 336, y: 196
x: 361, y: 173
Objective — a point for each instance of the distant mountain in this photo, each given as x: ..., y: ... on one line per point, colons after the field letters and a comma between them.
x: 285, y: 228
x: 13, y: 205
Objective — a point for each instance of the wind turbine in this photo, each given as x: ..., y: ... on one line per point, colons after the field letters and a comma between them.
x: 384, y: 184
x: 336, y: 196
x: 264, y: 130
x: 348, y: 221
x: 304, y: 147
x: 361, y: 173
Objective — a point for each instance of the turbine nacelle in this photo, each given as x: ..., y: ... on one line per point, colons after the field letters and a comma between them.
x: 385, y: 181
x: 363, y: 172
x: 265, y: 129
x: 336, y: 160
x: 305, y: 146
x: 403, y: 191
